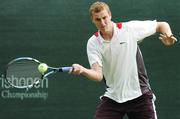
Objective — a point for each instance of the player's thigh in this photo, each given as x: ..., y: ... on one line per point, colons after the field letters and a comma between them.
x: 144, y: 109
x: 109, y: 109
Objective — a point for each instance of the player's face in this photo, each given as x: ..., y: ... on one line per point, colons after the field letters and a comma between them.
x: 102, y: 20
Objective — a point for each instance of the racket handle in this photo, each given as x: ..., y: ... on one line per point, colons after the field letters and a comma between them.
x: 66, y: 69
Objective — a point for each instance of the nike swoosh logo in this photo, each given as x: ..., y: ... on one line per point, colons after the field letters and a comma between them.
x: 122, y: 42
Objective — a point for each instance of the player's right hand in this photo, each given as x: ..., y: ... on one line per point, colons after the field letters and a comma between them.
x: 77, y: 69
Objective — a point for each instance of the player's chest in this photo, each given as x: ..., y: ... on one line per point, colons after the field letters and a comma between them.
x: 114, y: 47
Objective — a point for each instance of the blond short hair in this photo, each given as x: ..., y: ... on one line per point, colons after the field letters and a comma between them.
x: 97, y: 7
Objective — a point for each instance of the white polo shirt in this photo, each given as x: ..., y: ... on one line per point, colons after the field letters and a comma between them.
x: 118, y: 58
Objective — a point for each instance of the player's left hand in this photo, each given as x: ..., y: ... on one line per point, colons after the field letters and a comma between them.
x: 167, y: 40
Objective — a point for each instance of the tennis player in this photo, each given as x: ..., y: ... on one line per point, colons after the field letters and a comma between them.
x: 115, y: 57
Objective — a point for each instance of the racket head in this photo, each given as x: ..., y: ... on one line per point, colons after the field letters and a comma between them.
x: 23, y: 72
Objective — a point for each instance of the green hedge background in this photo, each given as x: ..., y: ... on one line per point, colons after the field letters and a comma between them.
x: 56, y: 32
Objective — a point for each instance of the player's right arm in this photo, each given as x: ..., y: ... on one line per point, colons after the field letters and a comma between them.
x: 95, y: 60
x: 94, y: 73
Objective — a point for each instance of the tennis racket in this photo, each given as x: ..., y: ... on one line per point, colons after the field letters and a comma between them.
x: 23, y: 72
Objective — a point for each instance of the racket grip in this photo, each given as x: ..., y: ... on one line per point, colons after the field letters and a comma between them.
x: 66, y: 69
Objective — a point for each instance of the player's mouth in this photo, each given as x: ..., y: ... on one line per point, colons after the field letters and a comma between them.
x: 103, y: 27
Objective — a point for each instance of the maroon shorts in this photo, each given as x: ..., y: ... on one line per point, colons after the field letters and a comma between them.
x: 139, y: 108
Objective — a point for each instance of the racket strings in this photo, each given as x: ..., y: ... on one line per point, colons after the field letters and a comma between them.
x: 23, y: 73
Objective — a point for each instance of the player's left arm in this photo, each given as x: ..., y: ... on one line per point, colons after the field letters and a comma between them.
x: 166, y: 35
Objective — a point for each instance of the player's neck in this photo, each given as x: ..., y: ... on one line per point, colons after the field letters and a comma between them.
x: 108, y: 34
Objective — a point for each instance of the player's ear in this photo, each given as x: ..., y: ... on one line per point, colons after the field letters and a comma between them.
x: 91, y: 16
x: 110, y: 15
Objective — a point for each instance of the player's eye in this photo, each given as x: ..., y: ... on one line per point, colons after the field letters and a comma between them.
x: 104, y: 17
x: 97, y: 19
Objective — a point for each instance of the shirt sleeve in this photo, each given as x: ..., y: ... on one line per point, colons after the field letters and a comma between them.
x: 142, y: 29
x: 93, y: 53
